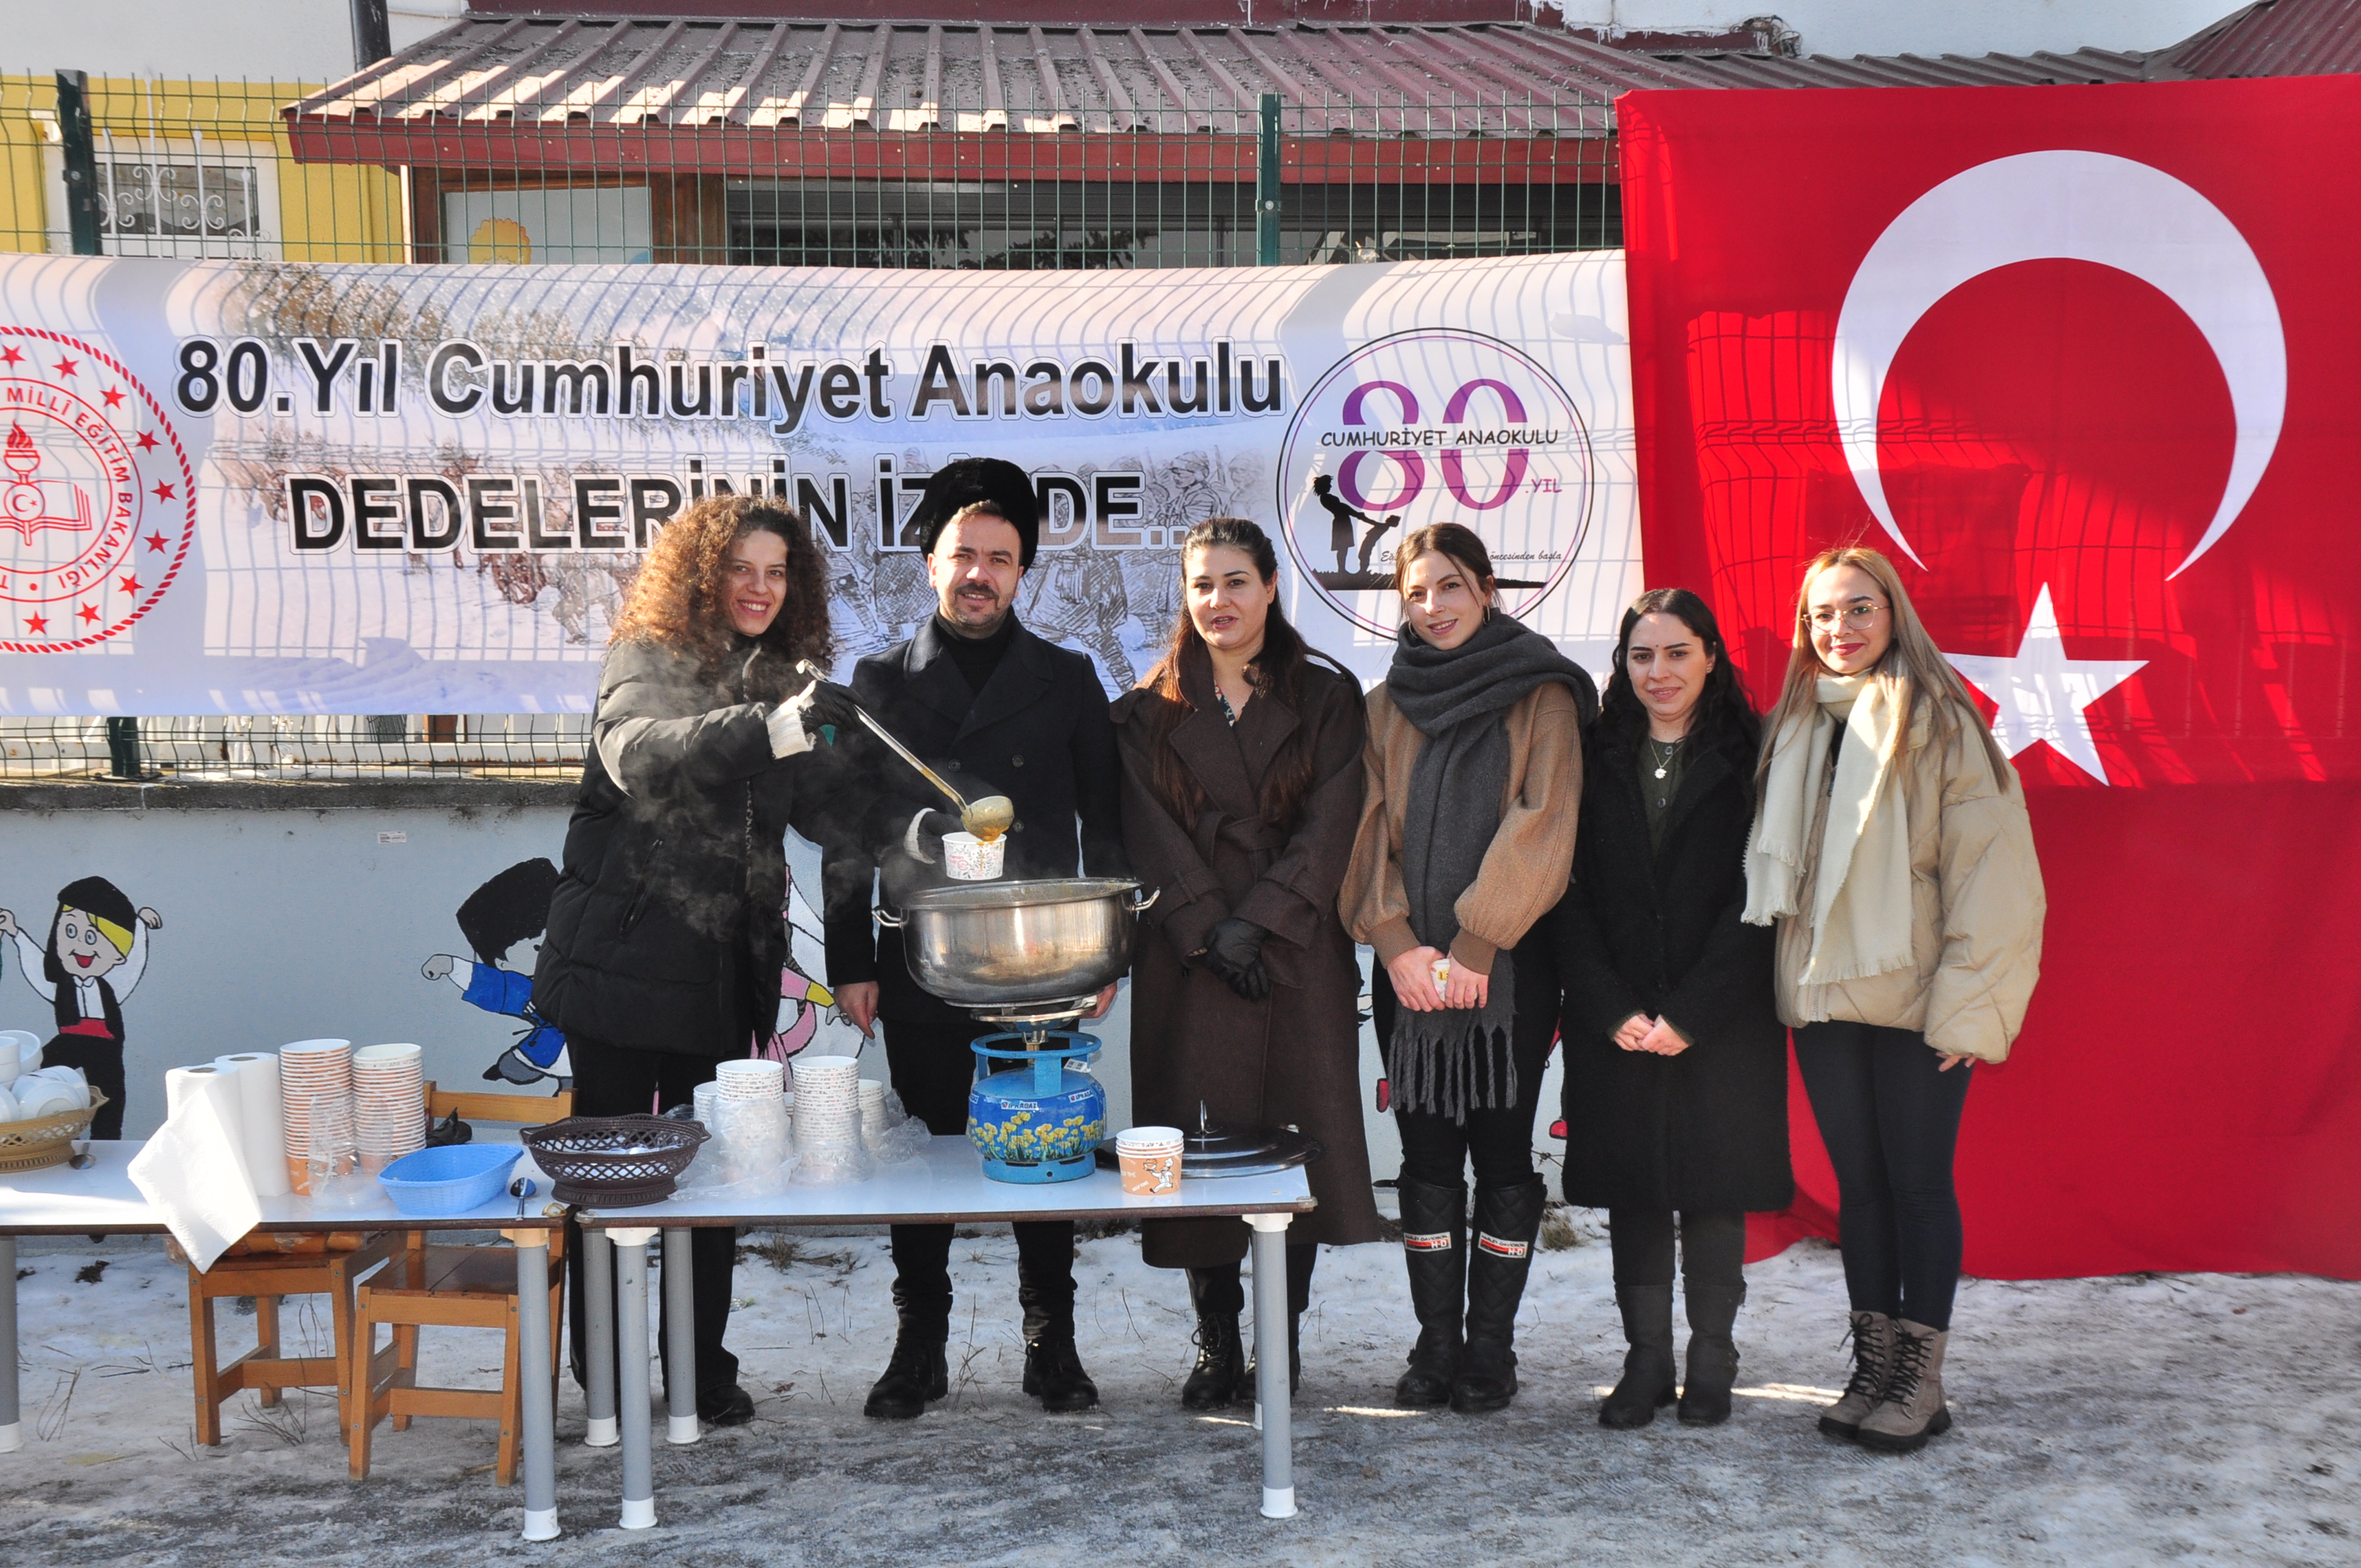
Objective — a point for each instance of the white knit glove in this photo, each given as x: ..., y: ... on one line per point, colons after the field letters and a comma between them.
x: 789, y: 736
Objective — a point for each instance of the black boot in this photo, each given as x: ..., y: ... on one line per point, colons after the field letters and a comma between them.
x: 1648, y: 1365
x: 916, y: 1373
x: 1435, y: 1237
x: 1219, y: 1377
x: 1713, y: 1352
x: 1054, y: 1375
x: 1506, y: 1220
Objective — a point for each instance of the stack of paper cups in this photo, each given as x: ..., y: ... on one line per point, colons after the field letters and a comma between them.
x: 703, y: 1099
x: 308, y: 1069
x: 20, y: 1053
x: 873, y: 1113
x: 389, y: 1103
x: 261, y: 1130
x: 751, y: 1078
x: 828, y: 1103
x: 1149, y: 1159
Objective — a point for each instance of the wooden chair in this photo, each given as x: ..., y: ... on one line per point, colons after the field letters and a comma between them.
x: 268, y: 1268
x: 449, y: 1287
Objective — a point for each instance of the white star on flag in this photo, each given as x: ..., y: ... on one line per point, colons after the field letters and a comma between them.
x: 2041, y: 693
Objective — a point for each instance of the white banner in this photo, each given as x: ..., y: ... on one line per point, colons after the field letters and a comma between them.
x: 252, y: 488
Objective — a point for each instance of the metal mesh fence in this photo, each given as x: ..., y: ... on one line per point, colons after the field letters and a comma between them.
x: 1024, y: 169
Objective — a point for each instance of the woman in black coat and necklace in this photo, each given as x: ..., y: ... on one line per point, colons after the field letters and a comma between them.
x: 665, y: 936
x: 1675, y: 1059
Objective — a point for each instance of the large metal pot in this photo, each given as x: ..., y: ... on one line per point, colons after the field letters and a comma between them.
x: 1003, y: 944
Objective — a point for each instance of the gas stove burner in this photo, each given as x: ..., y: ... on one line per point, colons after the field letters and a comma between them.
x: 1036, y: 1019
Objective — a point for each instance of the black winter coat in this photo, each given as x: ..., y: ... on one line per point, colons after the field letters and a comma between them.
x: 1037, y: 733
x: 665, y: 929
x: 1658, y: 932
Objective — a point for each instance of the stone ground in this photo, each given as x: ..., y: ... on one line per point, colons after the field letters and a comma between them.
x: 2134, y: 1420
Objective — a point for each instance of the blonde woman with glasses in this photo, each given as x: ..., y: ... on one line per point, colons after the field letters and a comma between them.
x: 1891, y: 851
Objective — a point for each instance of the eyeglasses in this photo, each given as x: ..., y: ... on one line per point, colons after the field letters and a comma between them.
x: 1859, y: 616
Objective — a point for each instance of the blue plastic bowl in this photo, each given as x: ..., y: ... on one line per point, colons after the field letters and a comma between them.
x: 450, y: 1180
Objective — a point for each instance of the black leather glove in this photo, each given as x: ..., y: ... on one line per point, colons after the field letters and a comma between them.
x: 1234, y: 952
x: 830, y: 704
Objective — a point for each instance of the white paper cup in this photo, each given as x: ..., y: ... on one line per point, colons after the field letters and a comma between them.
x: 27, y: 1049
x: 1148, y: 1160
x: 968, y: 859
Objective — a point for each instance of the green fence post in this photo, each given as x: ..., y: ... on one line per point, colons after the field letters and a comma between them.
x: 81, y: 162
x: 1266, y: 186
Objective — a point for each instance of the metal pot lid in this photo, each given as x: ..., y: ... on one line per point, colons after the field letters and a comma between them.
x: 1015, y: 894
x: 1214, y: 1150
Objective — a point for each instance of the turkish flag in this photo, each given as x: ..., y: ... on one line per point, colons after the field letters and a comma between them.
x: 2086, y: 363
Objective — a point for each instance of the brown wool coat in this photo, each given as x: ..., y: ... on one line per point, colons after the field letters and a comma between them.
x: 1294, y: 1058
x: 1524, y: 872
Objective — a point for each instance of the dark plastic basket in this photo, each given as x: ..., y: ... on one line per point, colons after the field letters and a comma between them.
x: 614, y: 1162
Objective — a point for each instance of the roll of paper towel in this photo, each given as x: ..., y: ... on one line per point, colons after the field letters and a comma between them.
x: 261, y: 1131
x: 193, y: 1170
x: 180, y: 1082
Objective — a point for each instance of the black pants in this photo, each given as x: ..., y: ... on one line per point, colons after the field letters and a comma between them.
x: 1890, y: 1121
x: 1221, y: 1289
x: 1500, y: 1143
x: 1713, y: 1246
x: 616, y: 1080
x: 933, y: 1070
x: 101, y: 1062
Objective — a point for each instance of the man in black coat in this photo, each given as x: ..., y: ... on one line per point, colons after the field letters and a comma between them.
x: 996, y: 709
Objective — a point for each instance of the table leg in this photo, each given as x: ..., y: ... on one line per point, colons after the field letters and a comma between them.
x: 1271, y: 1396
x: 12, y: 1437
x: 680, y: 1337
x: 537, y: 1396
x: 632, y: 1364
x: 599, y: 1336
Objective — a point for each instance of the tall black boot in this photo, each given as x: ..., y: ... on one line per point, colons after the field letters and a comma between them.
x: 1434, y: 1249
x: 1506, y: 1220
x: 1648, y: 1370
x: 1219, y: 1375
x: 917, y: 1373
x: 1045, y: 1288
x: 1713, y: 1353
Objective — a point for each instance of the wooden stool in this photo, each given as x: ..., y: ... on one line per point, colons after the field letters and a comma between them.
x: 451, y: 1286
x: 267, y: 1269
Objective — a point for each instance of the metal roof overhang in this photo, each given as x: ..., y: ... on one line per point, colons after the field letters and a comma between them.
x: 1477, y: 102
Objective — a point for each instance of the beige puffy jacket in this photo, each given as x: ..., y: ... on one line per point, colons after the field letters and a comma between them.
x: 1976, y: 908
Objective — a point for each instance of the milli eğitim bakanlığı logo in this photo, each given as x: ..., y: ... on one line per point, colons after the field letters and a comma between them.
x: 1433, y: 425
x: 97, y: 502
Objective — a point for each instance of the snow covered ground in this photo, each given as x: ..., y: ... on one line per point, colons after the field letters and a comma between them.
x: 2134, y: 1420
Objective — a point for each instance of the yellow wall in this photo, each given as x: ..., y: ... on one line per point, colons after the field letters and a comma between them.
x: 326, y: 211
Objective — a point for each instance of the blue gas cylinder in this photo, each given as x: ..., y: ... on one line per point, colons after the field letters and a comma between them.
x: 1041, y: 1116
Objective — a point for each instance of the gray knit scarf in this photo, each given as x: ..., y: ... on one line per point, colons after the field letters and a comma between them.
x: 1454, y: 1061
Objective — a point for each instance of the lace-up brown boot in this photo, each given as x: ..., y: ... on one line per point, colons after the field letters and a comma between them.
x: 1873, y: 1358
x: 1913, y: 1408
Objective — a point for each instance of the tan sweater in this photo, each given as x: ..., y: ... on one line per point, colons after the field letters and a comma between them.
x: 1977, y: 905
x: 1526, y: 869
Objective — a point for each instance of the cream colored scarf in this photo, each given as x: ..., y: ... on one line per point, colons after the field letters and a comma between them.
x: 1860, y: 889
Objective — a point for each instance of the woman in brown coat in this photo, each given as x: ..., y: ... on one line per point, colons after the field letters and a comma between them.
x: 1466, y: 843
x: 1242, y: 784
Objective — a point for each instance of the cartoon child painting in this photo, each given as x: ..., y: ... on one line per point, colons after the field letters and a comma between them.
x: 97, y: 950
x: 503, y: 921
x: 804, y: 1002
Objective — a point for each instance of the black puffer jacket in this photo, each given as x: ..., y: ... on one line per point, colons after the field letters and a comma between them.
x: 1657, y: 931
x: 665, y: 930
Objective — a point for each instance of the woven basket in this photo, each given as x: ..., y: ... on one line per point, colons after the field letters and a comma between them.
x: 44, y: 1140
x: 614, y: 1162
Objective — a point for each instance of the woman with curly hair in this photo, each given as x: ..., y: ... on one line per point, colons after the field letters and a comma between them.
x: 665, y: 934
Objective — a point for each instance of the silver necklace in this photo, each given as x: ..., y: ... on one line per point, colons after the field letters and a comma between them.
x: 1664, y: 756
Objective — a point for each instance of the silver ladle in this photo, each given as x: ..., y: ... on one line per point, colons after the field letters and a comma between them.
x: 987, y: 817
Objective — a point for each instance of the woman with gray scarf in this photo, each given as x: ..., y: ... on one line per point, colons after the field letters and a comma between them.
x: 1465, y: 842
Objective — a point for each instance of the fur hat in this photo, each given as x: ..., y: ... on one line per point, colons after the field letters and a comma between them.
x: 972, y: 479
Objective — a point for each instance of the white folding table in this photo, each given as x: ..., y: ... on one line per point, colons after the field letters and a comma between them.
x: 62, y: 1200
x: 944, y: 1184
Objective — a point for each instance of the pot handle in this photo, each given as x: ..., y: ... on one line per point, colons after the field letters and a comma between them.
x: 1140, y: 899
x: 887, y: 917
